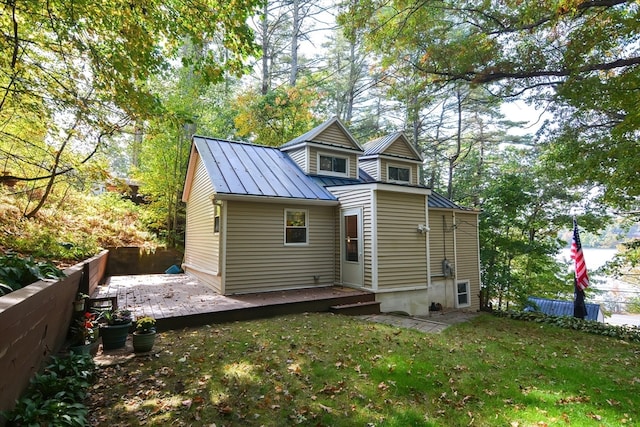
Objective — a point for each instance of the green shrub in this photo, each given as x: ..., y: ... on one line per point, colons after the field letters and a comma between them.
x: 17, y: 272
x: 54, y: 397
x: 625, y: 333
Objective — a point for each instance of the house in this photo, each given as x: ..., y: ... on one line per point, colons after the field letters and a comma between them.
x: 324, y: 210
x: 555, y: 307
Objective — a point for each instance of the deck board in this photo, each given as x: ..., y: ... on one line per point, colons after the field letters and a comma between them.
x: 177, y: 300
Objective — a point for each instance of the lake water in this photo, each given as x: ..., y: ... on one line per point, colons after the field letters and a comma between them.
x: 593, y: 257
x: 612, y: 293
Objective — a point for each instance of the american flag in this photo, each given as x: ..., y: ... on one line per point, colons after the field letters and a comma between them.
x: 582, y: 279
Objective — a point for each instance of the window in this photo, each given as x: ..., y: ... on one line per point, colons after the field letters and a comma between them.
x: 216, y: 218
x: 332, y: 164
x: 399, y: 174
x: 351, y: 238
x: 296, y: 227
x: 463, y: 294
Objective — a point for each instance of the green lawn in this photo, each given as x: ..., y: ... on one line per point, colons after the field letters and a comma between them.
x: 329, y: 370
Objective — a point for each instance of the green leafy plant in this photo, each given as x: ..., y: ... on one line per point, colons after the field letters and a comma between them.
x: 55, y: 396
x: 117, y: 317
x: 17, y: 272
x: 626, y: 333
x: 145, y: 324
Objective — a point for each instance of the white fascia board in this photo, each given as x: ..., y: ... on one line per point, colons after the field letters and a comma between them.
x: 376, y: 186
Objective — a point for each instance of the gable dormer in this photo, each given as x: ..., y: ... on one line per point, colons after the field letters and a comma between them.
x: 328, y: 149
x: 392, y: 158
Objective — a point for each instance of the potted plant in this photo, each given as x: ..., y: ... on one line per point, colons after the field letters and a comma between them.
x: 144, y: 335
x: 84, y: 334
x: 79, y: 303
x: 114, y: 332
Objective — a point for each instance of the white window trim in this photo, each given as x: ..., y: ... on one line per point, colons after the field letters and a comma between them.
x: 468, y: 285
x: 306, y: 216
x: 332, y: 173
x: 392, y: 165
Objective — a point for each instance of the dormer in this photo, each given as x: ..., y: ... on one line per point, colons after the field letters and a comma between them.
x: 393, y: 159
x: 328, y: 149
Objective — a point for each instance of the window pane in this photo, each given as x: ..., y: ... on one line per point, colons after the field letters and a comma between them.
x: 296, y: 235
x: 339, y: 165
x: 351, y: 226
x: 216, y: 218
x: 351, y: 250
x: 403, y: 174
x: 326, y: 163
x: 393, y: 173
x: 296, y: 219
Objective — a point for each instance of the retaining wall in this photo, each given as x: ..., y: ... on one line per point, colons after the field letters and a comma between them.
x: 131, y: 261
x: 34, y: 322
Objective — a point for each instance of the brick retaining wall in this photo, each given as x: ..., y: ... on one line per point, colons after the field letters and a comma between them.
x: 34, y: 322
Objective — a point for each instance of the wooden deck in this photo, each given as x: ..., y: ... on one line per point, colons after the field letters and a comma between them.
x: 180, y: 300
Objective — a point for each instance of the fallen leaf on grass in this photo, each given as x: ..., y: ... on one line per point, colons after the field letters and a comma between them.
x: 295, y: 369
x: 594, y: 416
x: 225, y: 410
x: 326, y: 408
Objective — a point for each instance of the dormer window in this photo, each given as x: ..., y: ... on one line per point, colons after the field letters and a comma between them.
x: 333, y: 165
x: 399, y: 174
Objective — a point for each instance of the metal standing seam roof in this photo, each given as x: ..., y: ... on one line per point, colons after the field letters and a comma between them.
x: 254, y: 170
x: 438, y: 201
x: 562, y: 308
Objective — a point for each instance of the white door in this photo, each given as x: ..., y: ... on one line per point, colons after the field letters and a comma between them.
x: 351, y: 251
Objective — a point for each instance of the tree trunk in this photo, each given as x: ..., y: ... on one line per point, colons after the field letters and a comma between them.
x: 295, y: 33
x: 265, y: 49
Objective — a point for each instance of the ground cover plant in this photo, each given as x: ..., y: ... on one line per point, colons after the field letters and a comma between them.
x: 55, y: 396
x: 330, y: 370
x: 76, y: 227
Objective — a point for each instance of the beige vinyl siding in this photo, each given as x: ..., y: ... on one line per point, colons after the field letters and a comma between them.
x: 413, y: 169
x: 370, y: 167
x: 360, y: 198
x: 259, y: 261
x: 313, y: 160
x: 399, y: 148
x: 467, y: 255
x: 402, y: 257
x: 202, y: 246
x: 299, y: 156
x: 440, y: 240
x: 335, y: 136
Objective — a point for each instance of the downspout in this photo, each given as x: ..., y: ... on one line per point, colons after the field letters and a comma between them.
x: 478, y: 246
x: 444, y: 244
x: 374, y: 240
x: 455, y: 261
x: 222, y: 258
x: 427, y: 244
